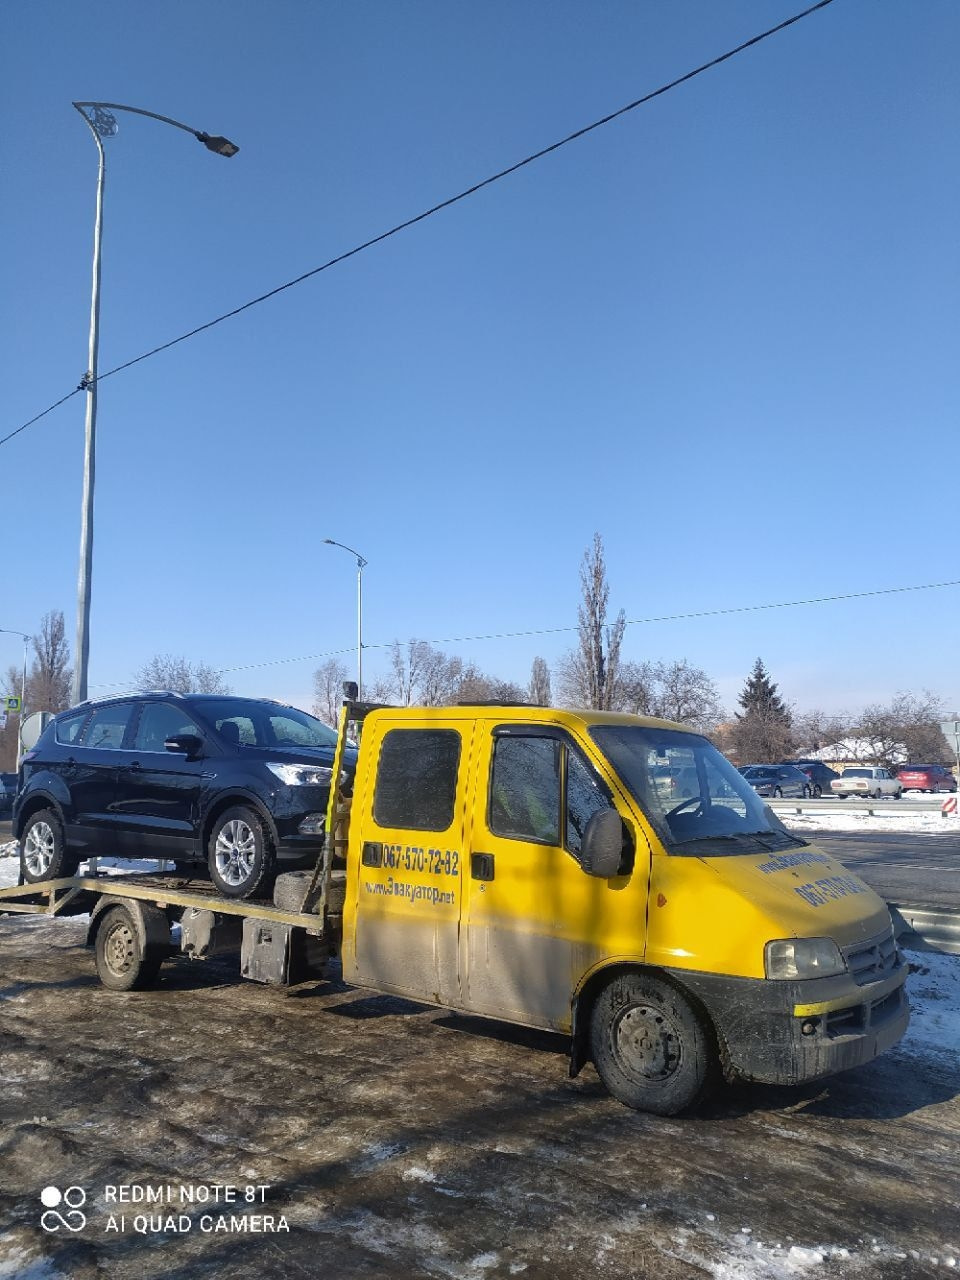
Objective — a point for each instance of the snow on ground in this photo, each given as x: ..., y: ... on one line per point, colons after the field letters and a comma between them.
x: 907, y: 822
x: 934, y: 990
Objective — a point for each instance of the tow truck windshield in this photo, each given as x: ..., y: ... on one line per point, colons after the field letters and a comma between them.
x: 695, y: 799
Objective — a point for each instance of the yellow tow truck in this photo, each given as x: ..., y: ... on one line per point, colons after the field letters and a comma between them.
x: 606, y: 876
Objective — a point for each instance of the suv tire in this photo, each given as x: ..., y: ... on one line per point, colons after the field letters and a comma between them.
x: 239, y: 856
x: 43, y: 849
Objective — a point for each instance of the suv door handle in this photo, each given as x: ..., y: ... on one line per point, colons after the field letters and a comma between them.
x: 481, y: 866
x: 135, y: 764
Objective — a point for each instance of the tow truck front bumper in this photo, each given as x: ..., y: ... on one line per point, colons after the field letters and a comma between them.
x: 779, y: 1032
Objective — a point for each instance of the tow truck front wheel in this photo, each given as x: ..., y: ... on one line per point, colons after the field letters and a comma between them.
x: 43, y: 849
x: 650, y: 1046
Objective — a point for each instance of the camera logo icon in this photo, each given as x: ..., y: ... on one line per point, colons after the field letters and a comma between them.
x: 62, y: 1209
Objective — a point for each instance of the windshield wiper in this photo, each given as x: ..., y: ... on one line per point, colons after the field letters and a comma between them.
x: 769, y: 840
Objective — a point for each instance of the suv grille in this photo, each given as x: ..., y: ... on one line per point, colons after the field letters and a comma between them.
x: 870, y: 961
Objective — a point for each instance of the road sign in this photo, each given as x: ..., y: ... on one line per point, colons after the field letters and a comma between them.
x: 949, y: 807
x: 950, y: 728
x: 12, y: 703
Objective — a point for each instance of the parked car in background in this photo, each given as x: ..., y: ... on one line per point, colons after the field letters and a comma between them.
x: 777, y: 780
x: 866, y: 780
x: 926, y: 777
x: 8, y: 790
x: 236, y: 785
x: 819, y: 774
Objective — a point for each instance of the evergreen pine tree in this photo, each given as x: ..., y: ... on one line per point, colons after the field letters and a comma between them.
x: 762, y: 732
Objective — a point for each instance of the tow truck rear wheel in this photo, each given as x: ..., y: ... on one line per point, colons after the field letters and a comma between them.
x: 651, y: 1048
x: 123, y: 963
x: 43, y: 849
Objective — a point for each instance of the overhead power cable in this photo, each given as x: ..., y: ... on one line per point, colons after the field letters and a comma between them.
x: 444, y: 204
x: 632, y: 622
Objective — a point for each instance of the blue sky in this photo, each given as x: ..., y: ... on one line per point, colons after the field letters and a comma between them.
x: 722, y: 331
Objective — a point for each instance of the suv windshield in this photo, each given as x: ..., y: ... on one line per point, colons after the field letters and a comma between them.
x: 717, y: 811
x: 263, y: 724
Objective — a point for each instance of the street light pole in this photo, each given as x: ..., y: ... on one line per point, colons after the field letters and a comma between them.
x: 23, y: 683
x: 361, y: 565
x: 102, y: 124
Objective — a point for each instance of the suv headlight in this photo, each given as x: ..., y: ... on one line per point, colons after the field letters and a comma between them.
x: 800, y: 958
x: 302, y: 775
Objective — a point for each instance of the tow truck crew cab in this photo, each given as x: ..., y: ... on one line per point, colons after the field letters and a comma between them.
x: 529, y: 864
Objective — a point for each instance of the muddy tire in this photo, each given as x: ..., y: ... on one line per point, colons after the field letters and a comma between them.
x: 123, y: 964
x: 651, y: 1048
x: 239, y: 856
x: 43, y: 849
x: 291, y: 889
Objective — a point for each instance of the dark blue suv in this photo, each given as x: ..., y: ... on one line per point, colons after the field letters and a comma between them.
x: 238, y: 784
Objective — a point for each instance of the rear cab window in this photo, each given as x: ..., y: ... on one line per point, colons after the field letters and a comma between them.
x: 417, y: 779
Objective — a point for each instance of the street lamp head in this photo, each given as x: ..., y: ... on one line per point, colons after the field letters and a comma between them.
x: 330, y: 542
x: 222, y: 146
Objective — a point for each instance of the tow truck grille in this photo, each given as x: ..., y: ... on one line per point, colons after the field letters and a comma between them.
x: 872, y: 960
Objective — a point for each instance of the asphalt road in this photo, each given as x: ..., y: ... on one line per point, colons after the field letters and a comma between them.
x: 913, y: 870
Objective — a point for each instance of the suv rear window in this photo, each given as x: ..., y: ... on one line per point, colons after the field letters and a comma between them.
x: 107, y: 726
x: 68, y: 728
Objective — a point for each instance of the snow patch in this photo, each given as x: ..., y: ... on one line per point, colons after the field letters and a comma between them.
x: 906, y: 822
x: 933, y: 988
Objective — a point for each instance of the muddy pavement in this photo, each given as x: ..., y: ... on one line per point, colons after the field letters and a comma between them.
x: 391, y: 1140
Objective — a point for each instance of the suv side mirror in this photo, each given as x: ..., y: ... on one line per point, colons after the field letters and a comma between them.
x: 187, y: 743
x: 602, y: 845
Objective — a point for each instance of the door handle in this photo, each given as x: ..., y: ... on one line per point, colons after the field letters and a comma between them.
x: 481, y: 866
x: 136, y: 765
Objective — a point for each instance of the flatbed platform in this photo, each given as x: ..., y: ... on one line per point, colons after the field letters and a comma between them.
x: 77, y: 895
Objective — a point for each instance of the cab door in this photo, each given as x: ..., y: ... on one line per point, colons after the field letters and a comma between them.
x: 534, y: 922
x: 408, y: 867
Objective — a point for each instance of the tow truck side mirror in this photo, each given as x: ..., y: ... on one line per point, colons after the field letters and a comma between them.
x: 602, y: 845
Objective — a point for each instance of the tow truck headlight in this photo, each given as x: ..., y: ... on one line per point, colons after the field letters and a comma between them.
x: 800, y: 958
x: 302, y: 775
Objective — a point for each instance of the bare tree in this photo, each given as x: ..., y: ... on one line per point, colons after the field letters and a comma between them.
x: 48, y: 684
x: 590, y: 676
x: 817, y: 729
x: 909, y: 724
x: 539, y: 690
x: 423, y: 675
x: 670, y: 690
x: 176, y: 673
x: 328, y: 681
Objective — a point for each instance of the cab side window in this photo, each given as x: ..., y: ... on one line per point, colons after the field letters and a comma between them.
x: 107, y: 726
x: 585, y: 797
x: 525, y: 789
x: 417, y: 779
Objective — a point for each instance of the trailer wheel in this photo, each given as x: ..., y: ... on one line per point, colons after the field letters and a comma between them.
x: 43, y: 849
x: 123, y: 964
x: 239, y: 856
x: 651, y: 1048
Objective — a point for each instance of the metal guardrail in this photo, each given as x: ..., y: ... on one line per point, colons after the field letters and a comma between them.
x: 927, y: 929
x: 871, y: 808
